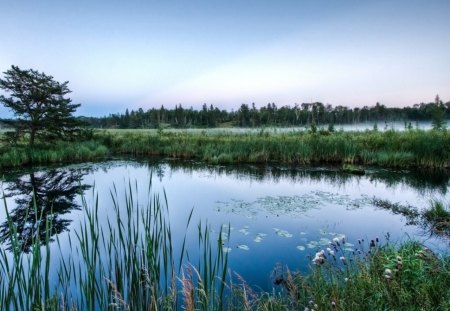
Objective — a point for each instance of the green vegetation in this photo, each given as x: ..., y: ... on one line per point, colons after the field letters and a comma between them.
x: 377, y: 277
x: 408, y: 149
x: 131, y: 262
x: 353, y: 169
x: 59, y: 152
x: 387, y: 149
x: 438, y: 219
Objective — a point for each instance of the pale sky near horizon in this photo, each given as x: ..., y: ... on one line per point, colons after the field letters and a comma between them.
x: 131, y: 54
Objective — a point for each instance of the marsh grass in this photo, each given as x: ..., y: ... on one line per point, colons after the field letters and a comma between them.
x: 413, y: 148
x: 125, y: 263
x: 61, y: 152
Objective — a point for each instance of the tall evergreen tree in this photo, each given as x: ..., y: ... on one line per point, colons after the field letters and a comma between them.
x: 40, y: 106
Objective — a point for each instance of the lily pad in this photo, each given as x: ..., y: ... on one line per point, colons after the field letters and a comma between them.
x: 282, y: 233
x: 243, y: 247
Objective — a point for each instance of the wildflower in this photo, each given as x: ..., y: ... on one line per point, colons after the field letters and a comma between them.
x: 330, y: 251
x: 346, y: 279
x: 399, y: 265
x: 319, y: 259
x: 372, y: 243
x: 359, y: 241
x: 333, y: 304
x: 388, y: 274
x: 336, y: 241
x: 377, y: 239
x: 344, y: 261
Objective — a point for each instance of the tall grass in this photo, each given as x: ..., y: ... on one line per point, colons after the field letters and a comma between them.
x: 414, y: 148
x: 61, y: 152
x: 125, y: 263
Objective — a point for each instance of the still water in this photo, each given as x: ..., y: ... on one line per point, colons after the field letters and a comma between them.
x: 275, y: 214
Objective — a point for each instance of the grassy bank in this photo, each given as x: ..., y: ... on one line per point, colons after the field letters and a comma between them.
x: 430, y: 149
x: 414, y: 148
x: 131, y: 262
x: 61, y: 152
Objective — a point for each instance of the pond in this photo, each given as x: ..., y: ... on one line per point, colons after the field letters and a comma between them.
x: 269, y: 215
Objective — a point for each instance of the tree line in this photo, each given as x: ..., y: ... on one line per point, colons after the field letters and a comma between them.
x: 305, y: 114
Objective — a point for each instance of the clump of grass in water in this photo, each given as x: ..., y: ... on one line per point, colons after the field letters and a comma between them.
x: 438, y: 216
x: 435, y: 219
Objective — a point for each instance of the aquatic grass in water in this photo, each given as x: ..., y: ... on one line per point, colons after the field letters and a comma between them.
x: 127, y: 262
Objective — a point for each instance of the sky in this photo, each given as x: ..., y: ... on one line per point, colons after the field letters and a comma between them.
x: 144, y: 54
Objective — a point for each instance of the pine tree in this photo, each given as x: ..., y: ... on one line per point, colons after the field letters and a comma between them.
x: 38, y: 102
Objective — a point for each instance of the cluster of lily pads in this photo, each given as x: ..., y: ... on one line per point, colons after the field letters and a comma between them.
x: 292, y: 205
x: 327, y: 239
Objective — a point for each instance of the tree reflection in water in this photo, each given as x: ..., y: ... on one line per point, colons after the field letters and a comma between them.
x: 41, y: 198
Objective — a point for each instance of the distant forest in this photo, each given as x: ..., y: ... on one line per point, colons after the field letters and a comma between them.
x: 269, y: 115
x: 305, y: 114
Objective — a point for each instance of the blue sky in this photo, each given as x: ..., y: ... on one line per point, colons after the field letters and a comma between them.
x: 131, y: 54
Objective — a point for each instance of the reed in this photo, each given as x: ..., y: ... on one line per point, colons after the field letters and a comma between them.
x: 125, y: 263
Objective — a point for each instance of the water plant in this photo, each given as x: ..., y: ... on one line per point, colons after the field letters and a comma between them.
x: 128, y: 262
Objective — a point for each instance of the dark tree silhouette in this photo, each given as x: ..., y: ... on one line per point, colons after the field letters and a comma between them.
x: 41, y: 199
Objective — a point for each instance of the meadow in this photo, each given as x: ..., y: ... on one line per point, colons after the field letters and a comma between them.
x: 391, y: 149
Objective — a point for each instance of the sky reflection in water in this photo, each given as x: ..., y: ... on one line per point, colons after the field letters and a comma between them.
x: 276, y: 214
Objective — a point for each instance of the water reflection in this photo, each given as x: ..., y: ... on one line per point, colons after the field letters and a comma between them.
x: 41, y: 198
x: 423, y: 181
